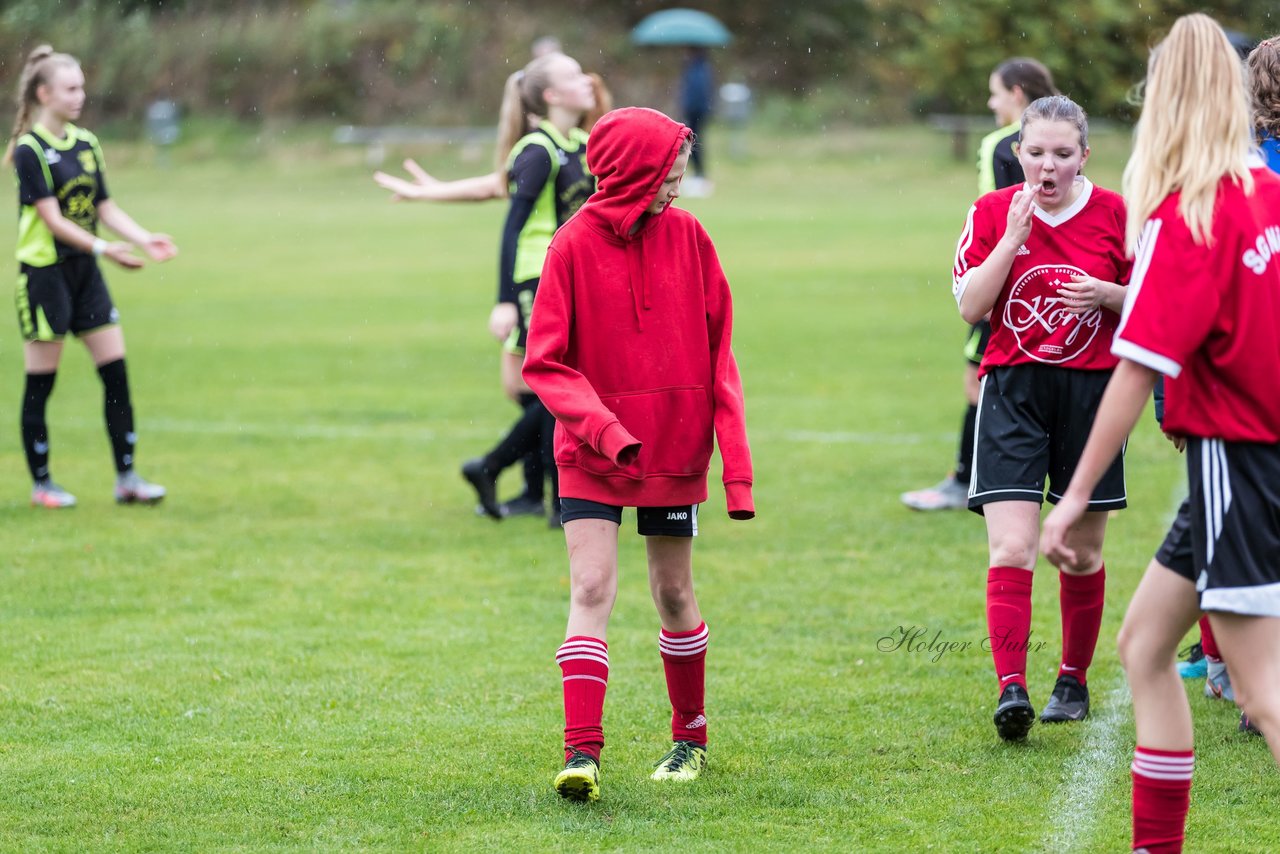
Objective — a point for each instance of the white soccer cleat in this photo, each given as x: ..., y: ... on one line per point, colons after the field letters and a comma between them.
x: 132, y: 489
x: 49, y: 494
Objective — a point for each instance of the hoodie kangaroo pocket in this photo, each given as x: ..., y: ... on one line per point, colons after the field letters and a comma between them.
x: 674, y: 426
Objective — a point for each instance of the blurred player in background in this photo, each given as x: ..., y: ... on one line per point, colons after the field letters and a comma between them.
x: 62, y: 197
x: 541, y: 159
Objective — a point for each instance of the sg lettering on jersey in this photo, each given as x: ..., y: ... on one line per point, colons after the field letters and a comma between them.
x: 1267, y: 245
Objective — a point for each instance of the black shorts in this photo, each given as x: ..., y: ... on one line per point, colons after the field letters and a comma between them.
x: 679, y: 521
x: 525, y: 292
x: 1235, y: 525
x: 1033, y: 421
x: 70, y: 296
x: 975, y: 346
x: 1176, y: 552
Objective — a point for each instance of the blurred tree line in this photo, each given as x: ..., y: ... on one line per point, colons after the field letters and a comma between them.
x: 444, y: 61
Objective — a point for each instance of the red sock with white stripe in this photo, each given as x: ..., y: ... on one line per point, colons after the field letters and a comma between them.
x: 1080, y: 598
x: 584, y: 663
x: 1208, y: 645
x: 1009, y: 622
x: 1161, y: 798
x: 684, y: 657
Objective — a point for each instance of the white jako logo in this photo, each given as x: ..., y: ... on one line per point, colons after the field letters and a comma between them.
x: 1046, y: 330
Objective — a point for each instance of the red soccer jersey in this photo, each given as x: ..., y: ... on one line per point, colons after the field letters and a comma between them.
x: 1208, y: 316
x: 1028, y: 321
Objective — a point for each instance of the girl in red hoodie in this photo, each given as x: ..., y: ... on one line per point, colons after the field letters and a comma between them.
x: 630, y: 350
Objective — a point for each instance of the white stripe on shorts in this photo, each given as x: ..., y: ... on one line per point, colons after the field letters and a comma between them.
x: 1217, y: 491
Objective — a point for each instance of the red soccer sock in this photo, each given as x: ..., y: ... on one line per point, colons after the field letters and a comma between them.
x: 1161, y: 798
x: 584, y: 662
x: 1009, y: 622
x: 684, y: 658
x: 1207, y: 643
x: 1080, y: 598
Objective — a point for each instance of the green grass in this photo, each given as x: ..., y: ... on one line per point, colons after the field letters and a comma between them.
x: 315, y: 644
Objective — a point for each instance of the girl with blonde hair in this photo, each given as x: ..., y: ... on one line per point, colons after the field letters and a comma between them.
x: 541, y: 167
x: 1203, y: 309
x: 62, y: 197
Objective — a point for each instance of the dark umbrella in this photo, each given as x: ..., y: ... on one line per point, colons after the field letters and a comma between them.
x: 681, y: 27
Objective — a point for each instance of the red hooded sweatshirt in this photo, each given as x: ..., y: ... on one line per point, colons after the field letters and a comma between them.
x: 629, y: 341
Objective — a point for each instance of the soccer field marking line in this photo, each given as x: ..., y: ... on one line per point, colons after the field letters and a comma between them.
x: 423, y: 435
x: 1086, y: 777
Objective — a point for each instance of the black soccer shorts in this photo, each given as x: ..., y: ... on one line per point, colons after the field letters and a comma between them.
x: 1235, y: 525
x: 678, y: 521
x: 70, y: 296
x: 1033, y: 421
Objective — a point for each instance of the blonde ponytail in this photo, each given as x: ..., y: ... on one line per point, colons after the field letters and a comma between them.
x: 40, y: 64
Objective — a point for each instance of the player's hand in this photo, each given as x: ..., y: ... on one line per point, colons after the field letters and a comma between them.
x: 1053, y: 536
x: 502, y: 320
x: 1020, y: 209
x: 159, y: 247
x: 419, y: 188
x: 122, y: 254
x: 1083, y: 294
x: 1179, y: 442
x: 419, y: 174
x: 399, y: 187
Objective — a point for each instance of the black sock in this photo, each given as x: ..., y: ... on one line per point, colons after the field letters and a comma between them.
x: 534, y: 474
x: 118, y: 410
x: 520, y: 439
x: 964, y: 458
x: 35, y: 431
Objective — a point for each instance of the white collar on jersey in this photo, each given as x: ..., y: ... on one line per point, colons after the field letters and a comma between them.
x: 1054, y: 220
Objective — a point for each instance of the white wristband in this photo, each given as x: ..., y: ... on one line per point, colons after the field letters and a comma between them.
x: 99, y: 246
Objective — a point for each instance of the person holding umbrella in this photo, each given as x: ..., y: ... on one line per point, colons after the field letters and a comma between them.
x: 697, y: 103
x: 695, y: 31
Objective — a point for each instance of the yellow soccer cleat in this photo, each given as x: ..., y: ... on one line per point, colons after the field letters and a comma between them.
x: 684, y: 761
x: 580, y: 779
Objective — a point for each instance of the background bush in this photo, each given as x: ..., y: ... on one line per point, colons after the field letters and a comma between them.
x: 442, y: 63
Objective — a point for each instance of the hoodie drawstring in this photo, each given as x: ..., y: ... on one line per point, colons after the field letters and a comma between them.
x: 638, y: 282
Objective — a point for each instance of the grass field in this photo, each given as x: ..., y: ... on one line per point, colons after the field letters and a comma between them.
x: 314, y: 644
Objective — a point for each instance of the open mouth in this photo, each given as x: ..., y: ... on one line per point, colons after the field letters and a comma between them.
x: 1047, y: 186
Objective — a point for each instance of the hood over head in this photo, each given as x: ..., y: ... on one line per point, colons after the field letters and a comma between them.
x: 630, y: 153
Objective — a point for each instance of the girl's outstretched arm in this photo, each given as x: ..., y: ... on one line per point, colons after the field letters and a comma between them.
x: 424, y: 187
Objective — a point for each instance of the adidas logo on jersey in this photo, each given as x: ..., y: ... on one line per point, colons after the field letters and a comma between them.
x: 1023, y: 250
x: 51, y: 156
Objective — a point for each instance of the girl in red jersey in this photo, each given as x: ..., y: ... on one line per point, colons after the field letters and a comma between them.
x: 1204, y: 309
x: 630, y: 350
x: 1046, y: 261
